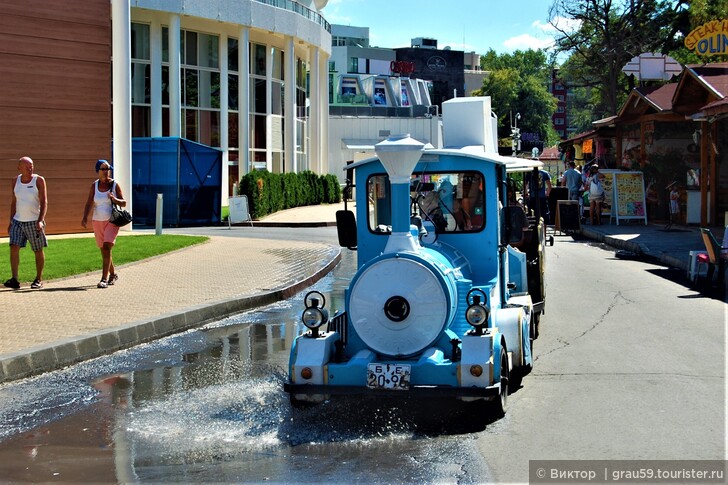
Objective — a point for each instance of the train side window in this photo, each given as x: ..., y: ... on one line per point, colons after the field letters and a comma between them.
x: 379, y: 214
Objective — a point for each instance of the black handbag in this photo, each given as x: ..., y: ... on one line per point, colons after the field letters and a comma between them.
x: 119, y: 217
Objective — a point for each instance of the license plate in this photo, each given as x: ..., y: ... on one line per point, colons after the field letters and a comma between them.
x: 388, y: 376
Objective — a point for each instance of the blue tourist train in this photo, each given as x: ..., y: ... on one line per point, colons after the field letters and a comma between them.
x: 449, y: 288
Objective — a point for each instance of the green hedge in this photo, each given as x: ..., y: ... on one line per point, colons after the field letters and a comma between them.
x: 271, y: 192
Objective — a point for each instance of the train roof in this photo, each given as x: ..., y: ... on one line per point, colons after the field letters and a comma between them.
x: 512, y: 164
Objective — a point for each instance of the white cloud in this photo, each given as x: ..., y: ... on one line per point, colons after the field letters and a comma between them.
x: 456, y: 46
x: 332, y: 13
x: 338, y: 19
x: 527, y: 41
x: 562, y: 23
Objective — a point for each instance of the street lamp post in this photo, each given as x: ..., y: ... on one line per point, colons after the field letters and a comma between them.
x: 515, y: 135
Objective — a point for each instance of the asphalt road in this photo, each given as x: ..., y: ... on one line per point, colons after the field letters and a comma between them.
x: 630, y: 366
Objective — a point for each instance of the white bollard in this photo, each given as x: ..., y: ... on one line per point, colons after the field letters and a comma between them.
x: 160, y: 206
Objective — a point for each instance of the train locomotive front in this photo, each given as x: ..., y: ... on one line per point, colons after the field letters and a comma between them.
x: 431, y: 311
x: 413, y: 326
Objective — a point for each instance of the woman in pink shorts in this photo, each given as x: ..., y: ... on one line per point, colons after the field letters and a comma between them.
x: 103, y: 193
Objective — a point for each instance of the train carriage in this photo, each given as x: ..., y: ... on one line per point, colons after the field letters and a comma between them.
x: 448, y: 292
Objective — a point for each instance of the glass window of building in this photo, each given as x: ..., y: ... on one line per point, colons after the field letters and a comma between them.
x: 232, y: 54
x: 140, y: 80
x: 140, y: 41
x: 353, y: 65
x: 165, y: 44
x: 277, y: 98
x: 277, y: 57
x: 257, y: 55
x: 200, y: 74
x: 257, y: 96
x: 209, y: 51
x: 257, y: 132
x: 233, y: 92
x: 190, y: 85
x: 233, y: 99
x: 189, y: 48
x: 302, y: 88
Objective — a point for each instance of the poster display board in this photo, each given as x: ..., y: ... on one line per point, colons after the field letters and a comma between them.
x: 629, y: 196
x: 567, y: 216
x: 608, y: 184
x: 239, y: 211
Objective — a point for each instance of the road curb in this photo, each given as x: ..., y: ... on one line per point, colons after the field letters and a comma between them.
x: 283, y: 224
x: 62, y: 353
x: 664, y: 259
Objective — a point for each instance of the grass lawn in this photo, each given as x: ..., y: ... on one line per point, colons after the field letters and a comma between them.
x: 72, y: 256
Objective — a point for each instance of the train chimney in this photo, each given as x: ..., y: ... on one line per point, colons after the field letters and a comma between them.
x: 399, y: 155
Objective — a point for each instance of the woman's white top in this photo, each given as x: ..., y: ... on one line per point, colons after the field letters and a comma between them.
x: 102, y: 203
x: 27, y: 200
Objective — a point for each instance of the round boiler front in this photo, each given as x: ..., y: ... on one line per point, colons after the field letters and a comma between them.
x: 399, y: 306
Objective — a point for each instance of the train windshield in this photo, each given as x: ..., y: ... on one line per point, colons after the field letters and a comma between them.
x: 451, y: 201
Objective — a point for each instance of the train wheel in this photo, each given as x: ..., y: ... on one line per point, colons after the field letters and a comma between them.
x: 536, y: 322
x: 299, y: 404
x: 498, y: 406
x: 533, y: 333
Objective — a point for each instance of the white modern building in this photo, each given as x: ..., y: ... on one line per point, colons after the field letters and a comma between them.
x: 248, y: 77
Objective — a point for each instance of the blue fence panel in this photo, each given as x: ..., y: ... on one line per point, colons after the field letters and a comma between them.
x: 188, y: 175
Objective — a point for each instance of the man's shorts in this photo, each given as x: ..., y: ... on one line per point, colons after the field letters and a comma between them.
x: 22, y: 232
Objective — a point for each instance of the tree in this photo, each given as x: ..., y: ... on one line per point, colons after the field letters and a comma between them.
x: 518, y: 83
x: 608, y: 34
x: 679, y: 20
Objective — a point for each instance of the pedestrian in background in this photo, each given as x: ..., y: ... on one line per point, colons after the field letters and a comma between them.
x: 104, y: 192
x: 674, y: 203
x: 541, y: 197
x: 572, y: 181
x: 596, y: 194
x: 28, y: 208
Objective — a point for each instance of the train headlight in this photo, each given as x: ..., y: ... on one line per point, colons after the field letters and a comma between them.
x: 315, y: 315
x: 478, y: 311
x: 477, y: 315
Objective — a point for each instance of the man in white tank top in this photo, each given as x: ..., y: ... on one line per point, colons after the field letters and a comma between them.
x: 27, y: 221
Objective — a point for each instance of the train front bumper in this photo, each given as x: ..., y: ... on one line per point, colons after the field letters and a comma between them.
x: 311, y: 390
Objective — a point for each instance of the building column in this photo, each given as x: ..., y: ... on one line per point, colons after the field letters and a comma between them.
x: 224, y: 121
x: 155, y: 33
x: 314, y: 119
x: 175, y: 83
x: 269, y: 108
x: 323, y: 124
x: 244, y: 101
x: 289, y: 108
x: 121, y: 95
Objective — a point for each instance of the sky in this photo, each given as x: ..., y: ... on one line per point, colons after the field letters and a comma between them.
x: 468, y: 25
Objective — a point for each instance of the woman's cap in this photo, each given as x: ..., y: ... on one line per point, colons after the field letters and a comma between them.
x: 101, y: 162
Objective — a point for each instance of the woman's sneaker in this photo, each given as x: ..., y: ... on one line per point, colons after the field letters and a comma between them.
x: 102, y: 284
x: 112, y: 279
x: 37, y: 284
